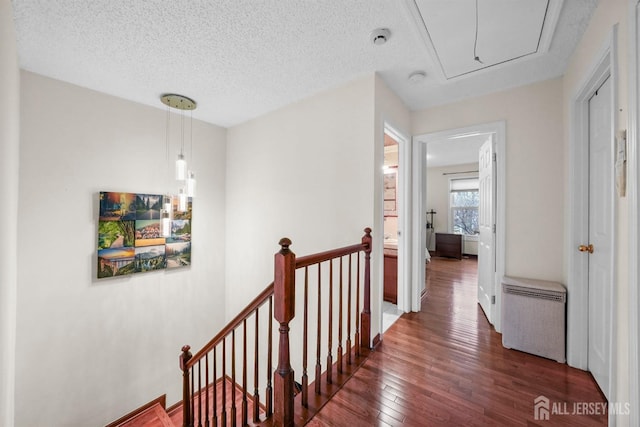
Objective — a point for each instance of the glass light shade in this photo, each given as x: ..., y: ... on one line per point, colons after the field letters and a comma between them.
x: 165, y: 223
x: 191, y: 184
x: 181, y: 168
x: 167, y: 205
x: 182, y: 201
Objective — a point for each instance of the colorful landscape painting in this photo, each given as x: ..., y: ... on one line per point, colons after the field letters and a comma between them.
x: 178, y: 214
x: 115, y: 234
x: 130, y: 238
x: 148, y: 206
x: 117, y: 206
x: 148, y: 233
x: 178, y: 254
x: 180, y: 231
x: 150, y: 258
x: 115, y: 262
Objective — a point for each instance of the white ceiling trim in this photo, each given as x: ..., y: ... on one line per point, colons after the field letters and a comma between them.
x: 550, y: 25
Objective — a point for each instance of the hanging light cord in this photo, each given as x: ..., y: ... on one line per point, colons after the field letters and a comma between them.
x: 166, y: 136
x: 475, y: 42
x: 182, y: 132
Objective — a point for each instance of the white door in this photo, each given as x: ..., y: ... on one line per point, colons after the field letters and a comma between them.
x: 600, y: 221
x: 486, y: 221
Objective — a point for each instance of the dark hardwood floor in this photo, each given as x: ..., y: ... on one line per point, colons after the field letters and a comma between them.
x: 445, y: 366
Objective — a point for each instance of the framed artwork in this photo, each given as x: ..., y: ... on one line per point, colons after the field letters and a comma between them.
x: 130, y: 239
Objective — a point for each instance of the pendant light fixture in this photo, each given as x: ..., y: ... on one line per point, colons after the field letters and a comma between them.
x: 165, y: 223
x: 167, y: 209
x: 183, y: 104
x: 191, y: 184
x: 184, y: 175
x: 181, y: 163
x: 181, y: 167
x: 165, y: 216
x: 182, y: 201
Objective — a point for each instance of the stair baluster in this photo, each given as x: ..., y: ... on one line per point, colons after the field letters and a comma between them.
x: 318, y: 347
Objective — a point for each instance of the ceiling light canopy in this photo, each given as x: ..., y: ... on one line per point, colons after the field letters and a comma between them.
x: 179, y: 102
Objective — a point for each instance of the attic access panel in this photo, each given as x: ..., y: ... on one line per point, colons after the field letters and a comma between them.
x: 507, y: 30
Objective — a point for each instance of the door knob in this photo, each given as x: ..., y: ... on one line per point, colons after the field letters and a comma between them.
x: 586, y: 248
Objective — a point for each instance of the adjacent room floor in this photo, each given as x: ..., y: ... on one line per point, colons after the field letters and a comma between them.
x: 390, y: 314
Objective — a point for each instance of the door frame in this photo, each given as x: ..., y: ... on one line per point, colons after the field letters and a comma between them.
x: 633, y: 161
x: 605, y: 66
x: 419, y: 194
x: 403, y: 209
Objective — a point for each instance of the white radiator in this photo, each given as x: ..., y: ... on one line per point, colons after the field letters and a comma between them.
x: 533, y: 317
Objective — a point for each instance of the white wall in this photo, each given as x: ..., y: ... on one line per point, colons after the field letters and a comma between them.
x: 9, y: 161
x: 92, y: 350
x: 311, y: 171
x: 534, y: 169
x: 304, y: 172
x: 607, y: 15
x: 390, y: 111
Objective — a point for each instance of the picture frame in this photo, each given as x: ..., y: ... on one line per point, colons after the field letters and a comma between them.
x: 130, y: 239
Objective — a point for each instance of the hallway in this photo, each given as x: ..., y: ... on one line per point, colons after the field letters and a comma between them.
x: 445, y: 366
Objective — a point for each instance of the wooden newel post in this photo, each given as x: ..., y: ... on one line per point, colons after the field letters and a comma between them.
x: 365, y: 317
x: 284, y: 311
x: 187, y: 416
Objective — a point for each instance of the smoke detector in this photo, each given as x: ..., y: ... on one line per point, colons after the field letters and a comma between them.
x: 380, y: 36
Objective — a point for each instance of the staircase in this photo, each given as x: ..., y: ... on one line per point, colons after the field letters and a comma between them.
x: 153, y: 414
x: 231, y: 380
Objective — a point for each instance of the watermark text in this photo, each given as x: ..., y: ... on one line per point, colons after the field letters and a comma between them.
x: 544, y: 408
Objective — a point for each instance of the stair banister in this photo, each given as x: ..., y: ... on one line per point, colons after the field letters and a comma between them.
x: 284, y: 311
x: 280, y: 297
x: 365, y: 318
x: 186, y: 397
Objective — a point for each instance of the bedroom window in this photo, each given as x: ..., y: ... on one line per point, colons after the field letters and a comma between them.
x: 463, y: 206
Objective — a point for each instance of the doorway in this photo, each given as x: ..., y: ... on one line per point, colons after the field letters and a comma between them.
x: 395, y: 199
x: 591, y: 319
x: 391, y: 199
x: 428, y: 230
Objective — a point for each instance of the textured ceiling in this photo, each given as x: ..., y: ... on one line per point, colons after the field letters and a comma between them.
x: 240, y: 59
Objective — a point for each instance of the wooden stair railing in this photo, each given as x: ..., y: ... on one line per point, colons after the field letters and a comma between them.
x: 206, y: 403
x: 285, y: 402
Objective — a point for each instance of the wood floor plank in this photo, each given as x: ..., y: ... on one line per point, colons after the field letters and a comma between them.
x: 445, y: 366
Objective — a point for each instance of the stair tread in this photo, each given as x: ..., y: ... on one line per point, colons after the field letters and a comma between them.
x: 154, y: 416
